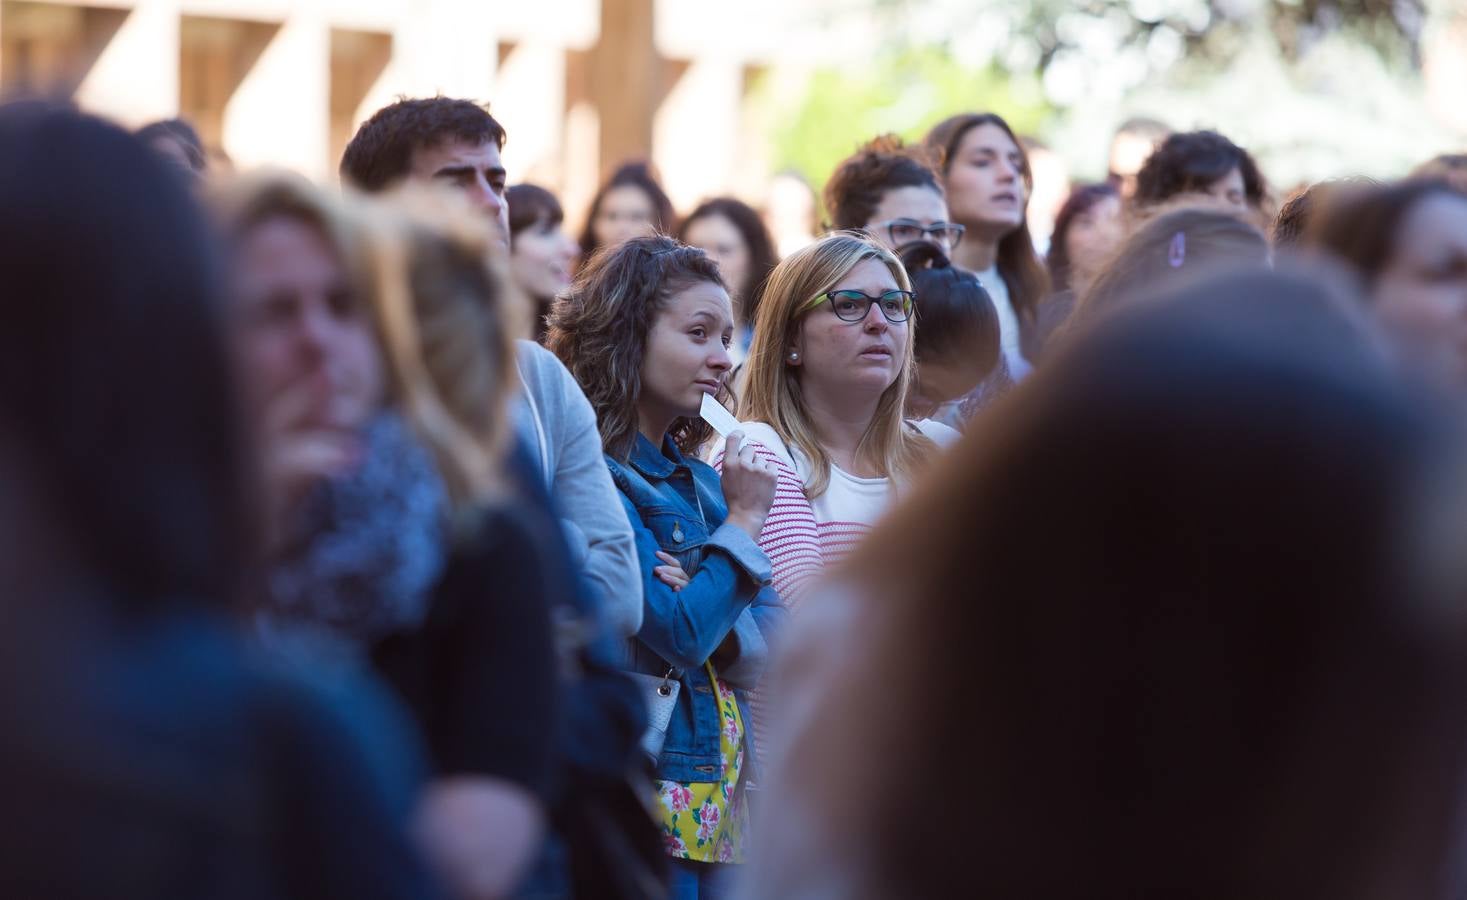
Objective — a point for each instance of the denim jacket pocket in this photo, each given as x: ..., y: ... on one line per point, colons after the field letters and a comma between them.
x: 677, y: 534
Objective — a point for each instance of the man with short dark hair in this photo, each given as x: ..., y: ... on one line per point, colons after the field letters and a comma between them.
x: 457, y: 143
x: 443, y: 139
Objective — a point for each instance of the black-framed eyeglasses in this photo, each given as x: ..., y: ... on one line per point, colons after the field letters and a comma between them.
x: 907, y: 231
x: 853, y: 306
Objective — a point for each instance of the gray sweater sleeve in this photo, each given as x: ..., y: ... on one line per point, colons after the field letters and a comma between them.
x: 582, y: 487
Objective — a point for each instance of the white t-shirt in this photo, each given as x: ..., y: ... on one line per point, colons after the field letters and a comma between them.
x: 1008, y: 322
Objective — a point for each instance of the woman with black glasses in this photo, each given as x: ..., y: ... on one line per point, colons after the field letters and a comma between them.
x: 827, y: 382
x: 886, y: 191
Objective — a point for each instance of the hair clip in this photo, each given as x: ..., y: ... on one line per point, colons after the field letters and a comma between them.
x: 1177, y: 252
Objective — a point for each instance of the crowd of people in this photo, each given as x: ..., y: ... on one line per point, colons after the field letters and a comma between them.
x: 383, y: 540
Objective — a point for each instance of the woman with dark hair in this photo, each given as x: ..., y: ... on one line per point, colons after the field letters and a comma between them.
x: 1169, y: 252
x: 541, y: 254
x: 1248, y: 661
x: 733, y: 235
x: 886, y: 191
x: 1408, y: 241
x: 1201, y: 162
x: 630, y: 204
x: 987, y: 177
x: 646, y: 332
x: 956, y: 340
x: 1086, y: 232
x: 144, y: 750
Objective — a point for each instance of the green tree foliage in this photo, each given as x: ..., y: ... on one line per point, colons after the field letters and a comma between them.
x: 902, y: 92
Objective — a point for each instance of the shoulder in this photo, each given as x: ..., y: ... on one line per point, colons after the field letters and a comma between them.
x: 542, y: 371
x: 764, y: 437
x: 935, y: 431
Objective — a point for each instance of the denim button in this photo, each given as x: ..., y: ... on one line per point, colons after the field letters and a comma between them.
x: 677, y: 532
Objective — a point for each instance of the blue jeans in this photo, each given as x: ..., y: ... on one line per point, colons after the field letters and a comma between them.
x: 702, y: 881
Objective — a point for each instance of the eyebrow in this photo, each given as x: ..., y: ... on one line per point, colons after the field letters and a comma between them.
x: 455, y: 171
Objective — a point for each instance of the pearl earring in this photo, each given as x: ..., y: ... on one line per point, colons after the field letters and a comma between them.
x: 794, y: 356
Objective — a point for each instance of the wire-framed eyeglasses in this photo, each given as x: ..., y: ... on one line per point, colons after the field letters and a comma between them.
x: 853, y: 305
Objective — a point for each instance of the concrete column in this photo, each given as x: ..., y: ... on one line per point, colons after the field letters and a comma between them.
x: 280, y: 113
x: 135, y: 79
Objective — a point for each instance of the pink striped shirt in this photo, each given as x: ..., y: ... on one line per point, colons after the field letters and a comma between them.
x: 802, y: 537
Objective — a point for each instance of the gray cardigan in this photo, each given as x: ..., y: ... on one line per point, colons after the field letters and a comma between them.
x: 556, y: 422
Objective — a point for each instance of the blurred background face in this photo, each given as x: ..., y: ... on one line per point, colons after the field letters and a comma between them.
x: 985, y: 184
x: 903, y: 207
x: 1421, y: 295
x: 1230, y: 190
x: 1128, y: 152
x: 540, y: 258
x: 789, y: 211
x: 722, y: 240
x: 1092, y: 238
x: 302, y: 329
x: 626, y: 212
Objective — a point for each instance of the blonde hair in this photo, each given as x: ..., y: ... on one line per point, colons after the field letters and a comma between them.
x: 771, y: 388
x: 443, y: 311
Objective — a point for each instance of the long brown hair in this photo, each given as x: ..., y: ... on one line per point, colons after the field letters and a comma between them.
x: 1018, y: 262
x: 771, y: 389
x: 599, y: 330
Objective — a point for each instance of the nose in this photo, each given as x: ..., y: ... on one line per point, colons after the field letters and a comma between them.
x: 315, y: 328
x: 719, y: 361
x: 875, y: 321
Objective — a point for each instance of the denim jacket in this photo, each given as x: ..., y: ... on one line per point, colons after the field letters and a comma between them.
x: 675, y: 504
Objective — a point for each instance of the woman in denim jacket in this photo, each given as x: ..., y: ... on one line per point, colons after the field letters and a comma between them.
x: 646, y: 332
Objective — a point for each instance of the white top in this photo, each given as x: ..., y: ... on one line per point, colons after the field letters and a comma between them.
x: 1008, y: 322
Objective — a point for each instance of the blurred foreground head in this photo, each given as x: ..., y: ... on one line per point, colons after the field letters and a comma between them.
x: 116, y: 410
x: 1233, y: 666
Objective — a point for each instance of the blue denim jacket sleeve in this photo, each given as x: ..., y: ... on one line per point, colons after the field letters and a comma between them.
x: 753, y: 633
x: 685, y: 627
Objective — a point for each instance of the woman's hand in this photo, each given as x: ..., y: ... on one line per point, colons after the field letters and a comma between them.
x: 672, y: 574
x: 748, y: 486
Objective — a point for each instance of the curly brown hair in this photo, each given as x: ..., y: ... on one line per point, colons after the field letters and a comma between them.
x: 1192, y: 160
x: 882, y: 164
x: 599, y: 330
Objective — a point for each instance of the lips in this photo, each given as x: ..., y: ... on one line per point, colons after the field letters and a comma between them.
x: 708, y: 386
x: 1005, y: 198
x: 876, y: 352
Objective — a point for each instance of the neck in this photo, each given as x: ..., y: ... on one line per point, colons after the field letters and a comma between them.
x: 841, y: 420
x: 978, y: 252
x: 653, y: 425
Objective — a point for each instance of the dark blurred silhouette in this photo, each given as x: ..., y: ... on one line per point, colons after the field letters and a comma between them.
x: 143, y: 752
x: 1233, y: 667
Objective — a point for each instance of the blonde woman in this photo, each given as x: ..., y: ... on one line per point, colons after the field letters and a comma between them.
x: 827, y: 380
x: 377, y: 348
